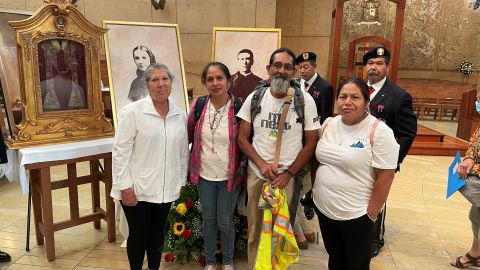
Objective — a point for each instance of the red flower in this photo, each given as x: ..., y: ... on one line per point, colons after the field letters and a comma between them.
x: 189, y: 203
x: 186, y: 234
x: 202, y: 260
x: 170, y: 257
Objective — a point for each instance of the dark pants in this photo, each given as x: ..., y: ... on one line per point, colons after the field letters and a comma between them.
x: 379, y: 230
x: 348, y: 242
x: 146, y: 228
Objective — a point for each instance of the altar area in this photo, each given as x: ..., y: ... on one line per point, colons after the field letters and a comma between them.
x: 424, y: 230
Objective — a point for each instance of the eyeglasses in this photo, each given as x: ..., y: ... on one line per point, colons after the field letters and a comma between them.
x: 286, y: 66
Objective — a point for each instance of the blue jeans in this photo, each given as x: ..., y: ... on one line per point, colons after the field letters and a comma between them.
x: 218, y: 205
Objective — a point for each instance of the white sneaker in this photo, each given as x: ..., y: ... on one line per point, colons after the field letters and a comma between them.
x: 210, y: 267
x: 228, y: 267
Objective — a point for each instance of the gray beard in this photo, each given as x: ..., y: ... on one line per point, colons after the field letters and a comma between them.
x: 280, y: 85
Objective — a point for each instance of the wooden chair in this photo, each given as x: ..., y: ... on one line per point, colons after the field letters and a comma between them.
x: 430, y: 105
x: 450, y: 100
x: 416, y: 99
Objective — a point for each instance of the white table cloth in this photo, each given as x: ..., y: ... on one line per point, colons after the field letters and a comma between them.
x: 21, y: 157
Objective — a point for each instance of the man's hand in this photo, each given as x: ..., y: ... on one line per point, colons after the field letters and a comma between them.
x: 268, y: 170
x: 282, y: 180
x: 464, y: 167
x: 128, y: 197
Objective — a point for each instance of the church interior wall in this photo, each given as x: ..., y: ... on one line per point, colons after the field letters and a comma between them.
x: 438, y: 35
x: 307, y: 26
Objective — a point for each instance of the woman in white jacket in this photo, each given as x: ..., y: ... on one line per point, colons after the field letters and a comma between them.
x: 150, y: 160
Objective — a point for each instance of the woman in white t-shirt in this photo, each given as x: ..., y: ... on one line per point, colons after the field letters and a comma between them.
x: 214, y: 161
x: 354, y: 177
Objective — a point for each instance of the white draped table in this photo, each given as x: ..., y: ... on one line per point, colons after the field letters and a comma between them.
x: 38, y: 161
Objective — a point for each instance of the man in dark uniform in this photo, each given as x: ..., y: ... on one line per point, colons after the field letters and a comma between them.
x: 244, y: 81
x: 316, y: 86
x: 393, y: 105
x: 4, y: 257
x: 322, y: 93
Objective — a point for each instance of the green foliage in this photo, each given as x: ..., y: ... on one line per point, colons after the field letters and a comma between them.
x: 190, y: 248
x: 186, y: 248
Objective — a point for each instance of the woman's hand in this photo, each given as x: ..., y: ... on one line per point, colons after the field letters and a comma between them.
x: 464, y: 167
x: 128, y: 197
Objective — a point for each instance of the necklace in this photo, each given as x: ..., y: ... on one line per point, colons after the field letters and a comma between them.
x: 215, y: 122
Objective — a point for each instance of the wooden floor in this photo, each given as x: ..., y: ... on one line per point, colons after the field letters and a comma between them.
x: 423, y: 229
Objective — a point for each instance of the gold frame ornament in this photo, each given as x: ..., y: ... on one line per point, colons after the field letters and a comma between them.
x: 59, y: 24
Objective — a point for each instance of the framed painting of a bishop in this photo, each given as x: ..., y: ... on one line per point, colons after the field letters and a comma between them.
x: 62, y: 75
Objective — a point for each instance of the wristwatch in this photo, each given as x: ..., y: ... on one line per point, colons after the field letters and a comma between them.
x: 372, y: 218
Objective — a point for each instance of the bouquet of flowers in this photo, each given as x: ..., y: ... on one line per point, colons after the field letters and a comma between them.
x: 184, y: 235
x: 466, y: 68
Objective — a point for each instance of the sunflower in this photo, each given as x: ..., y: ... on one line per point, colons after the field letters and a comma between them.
x: 178, y: 228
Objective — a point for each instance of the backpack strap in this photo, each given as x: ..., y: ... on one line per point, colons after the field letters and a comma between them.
x: 237, y: 105
x: 372, y: 131
x: 299, y: 105
x: 255, y: 107
x: 199, y: 104
x: 324, y: 125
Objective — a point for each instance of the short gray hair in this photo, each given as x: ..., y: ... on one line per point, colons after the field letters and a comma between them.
x: 150, y: 69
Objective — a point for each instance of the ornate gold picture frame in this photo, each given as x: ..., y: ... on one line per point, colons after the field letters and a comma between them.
x: 58, y: 50
x: 132, y: 46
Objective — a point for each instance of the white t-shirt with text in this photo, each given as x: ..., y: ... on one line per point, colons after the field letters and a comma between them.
x: 265, y: 127
x: 346, y: 176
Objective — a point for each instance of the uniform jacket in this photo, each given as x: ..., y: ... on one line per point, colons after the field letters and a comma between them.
x: 393, y: 105
x: 322, y: 93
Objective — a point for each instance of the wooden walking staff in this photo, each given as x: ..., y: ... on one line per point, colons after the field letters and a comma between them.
x: 281, y: 125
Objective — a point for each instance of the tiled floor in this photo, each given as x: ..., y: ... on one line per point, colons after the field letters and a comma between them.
x: 424, y: 231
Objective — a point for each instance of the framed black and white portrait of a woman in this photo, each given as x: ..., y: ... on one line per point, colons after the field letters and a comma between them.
x: 130, y: 48
x: 9, y: 75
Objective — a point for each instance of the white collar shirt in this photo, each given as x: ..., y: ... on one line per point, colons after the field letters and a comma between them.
x: 309, y: 82
x: 377, y: 86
